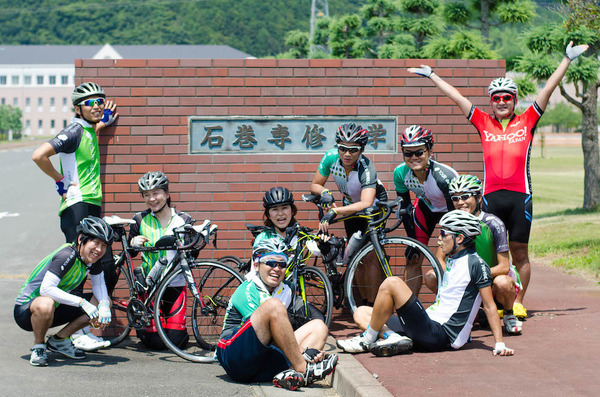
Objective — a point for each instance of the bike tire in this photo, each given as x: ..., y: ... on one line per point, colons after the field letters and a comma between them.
x: 216, y: 283
x: 319, y: 297
x: 394, y: 248
x: 120, y: 298
x: 234, y: 262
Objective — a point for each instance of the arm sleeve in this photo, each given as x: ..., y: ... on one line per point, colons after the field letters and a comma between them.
x: 399, y: 174
x: 99, y: 287
x: 67, y: 141
x: 326, y: 162
x: 50, y: 289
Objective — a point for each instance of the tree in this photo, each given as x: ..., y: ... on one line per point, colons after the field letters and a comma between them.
x: 482, y: 14
x: 562, y: 117
x: 10, y: 120
x: 547, y: 44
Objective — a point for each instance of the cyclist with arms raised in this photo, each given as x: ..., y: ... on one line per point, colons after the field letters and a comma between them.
x: 356, y: 178
x: 46, y: 299
x: 257, y: 343
x: 506, y: 139
x: 449, y: 320
x: 150, y: 225
x: 429, y: 181
x: 78, y: 182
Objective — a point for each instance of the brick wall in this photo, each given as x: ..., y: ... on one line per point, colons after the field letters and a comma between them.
x: 156, y: 97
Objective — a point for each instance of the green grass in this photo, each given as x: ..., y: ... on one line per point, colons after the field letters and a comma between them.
x: 563, y: 235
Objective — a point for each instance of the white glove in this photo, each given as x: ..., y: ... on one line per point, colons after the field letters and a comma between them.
x: 424, y: 71
x: 104, y: 312
x: 138, y: 241
x: 573, y: 52
x: 90, y: 310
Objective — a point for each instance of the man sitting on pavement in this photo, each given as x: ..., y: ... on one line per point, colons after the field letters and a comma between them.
x: 491, y: 245
x: 449, y: 320
x: 258, y: 343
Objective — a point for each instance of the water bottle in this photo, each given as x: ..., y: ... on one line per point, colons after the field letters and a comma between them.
x: 140, y: 280
x: 353, y: 245
x: 156, y: 271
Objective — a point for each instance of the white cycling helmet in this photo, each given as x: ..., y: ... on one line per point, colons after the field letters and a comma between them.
x: 465, y: 183
x: 461, y: 222
x: 503, y: 84
x: 274, y: 246
x: 86, y: 90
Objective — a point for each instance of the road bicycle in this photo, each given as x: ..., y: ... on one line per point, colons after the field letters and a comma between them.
x: 208, y: 286
x: 374, y: 247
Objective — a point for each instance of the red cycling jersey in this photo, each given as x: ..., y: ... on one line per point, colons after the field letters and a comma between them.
x: 506, y: 152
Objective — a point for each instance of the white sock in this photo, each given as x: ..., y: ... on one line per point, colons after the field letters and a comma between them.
x: 39, y: 346
x: 371, y: 335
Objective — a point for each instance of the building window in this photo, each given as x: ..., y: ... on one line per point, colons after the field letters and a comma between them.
x: 52, y: 123
x: 64, y: 80
x: 39, y: 80
x: 64, y: 101
x: 2, y: 80
x: 28, y: 124
x: 39, y: 123
x: 40, y: 102
x: 15, y: 102
x: 52, y: 80
x: 40, y: 108
x: 3, y: 101
x: 27, y: 101
x: 27, y: 80
x: 52, y: 102
x: 64, y: 123
x: 14, y: 80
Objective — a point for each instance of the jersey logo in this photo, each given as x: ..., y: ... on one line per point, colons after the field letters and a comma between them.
x: 62, y: 137
x: 513, y: 137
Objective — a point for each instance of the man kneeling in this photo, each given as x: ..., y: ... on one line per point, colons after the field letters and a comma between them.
x: 258, y: 343
x: 448, y: 321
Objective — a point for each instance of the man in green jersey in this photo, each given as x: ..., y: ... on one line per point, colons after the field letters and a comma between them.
x: 78, y: 182
x: 48, y: 297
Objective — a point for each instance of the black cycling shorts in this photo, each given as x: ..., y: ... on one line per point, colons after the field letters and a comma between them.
x: 515, y: 209
x: 63, y: 314
x: 412, y: 321
x: 71, y: 216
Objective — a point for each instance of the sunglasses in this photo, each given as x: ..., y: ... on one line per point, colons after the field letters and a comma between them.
x: 92, y: 102
x: 274, y: 264
x: 505, y: 98
x: 444, y: 233
x: 463, y: 197
x: 417, y: 153
x: 349, y: 149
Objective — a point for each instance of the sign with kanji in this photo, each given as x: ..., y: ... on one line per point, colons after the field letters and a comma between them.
x: 294, y: 134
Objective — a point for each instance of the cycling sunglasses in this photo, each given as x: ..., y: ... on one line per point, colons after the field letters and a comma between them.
x: 463, y: 197
x: 92, y: 102
x: 444, y: 233
x: 274, y: 264
x: 417, y: 153
x: 349, y: 149
x: 505, y: 98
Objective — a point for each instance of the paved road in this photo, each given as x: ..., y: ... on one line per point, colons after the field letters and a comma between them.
x: 29, y: 223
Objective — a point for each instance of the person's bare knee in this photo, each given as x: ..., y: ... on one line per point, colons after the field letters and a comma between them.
x: 42, y: 307
x: 362, y: 316
x: 266, y: 316
x: 504, y: 290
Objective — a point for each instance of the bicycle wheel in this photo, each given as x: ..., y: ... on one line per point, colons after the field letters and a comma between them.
x: 234, y: 262
x: 361, y: 288
x: 319, y: 297
x: 120, y: 297
x: 203, y: 318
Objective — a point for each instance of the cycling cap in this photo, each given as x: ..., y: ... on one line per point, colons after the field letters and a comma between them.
x: 415, y: 135
x: 503, y: 84
x: 465, y: 183
x: 86, y: 90
x: 153, y: 180
x: 274, y: 246
x: 352, y: 133
x: 277, y: 196
x: 97, y: 228
x: 461, y: 222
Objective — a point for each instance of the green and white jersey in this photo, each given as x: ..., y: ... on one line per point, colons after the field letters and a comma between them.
x: 361, y: 177
x: 147, y: 225
x: 65, y: 264
x: 77, y: 146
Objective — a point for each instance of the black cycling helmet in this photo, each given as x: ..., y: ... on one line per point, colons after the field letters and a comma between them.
x: 86, y: 90
x: 153, y: 180
x: 97, y: 228
x: 352, y: 133
x: 277, y: 196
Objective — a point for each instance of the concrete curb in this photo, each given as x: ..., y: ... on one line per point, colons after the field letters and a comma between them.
x: 351, y: 379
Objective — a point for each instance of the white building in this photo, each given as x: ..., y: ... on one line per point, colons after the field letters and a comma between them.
x: 39, y: 79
